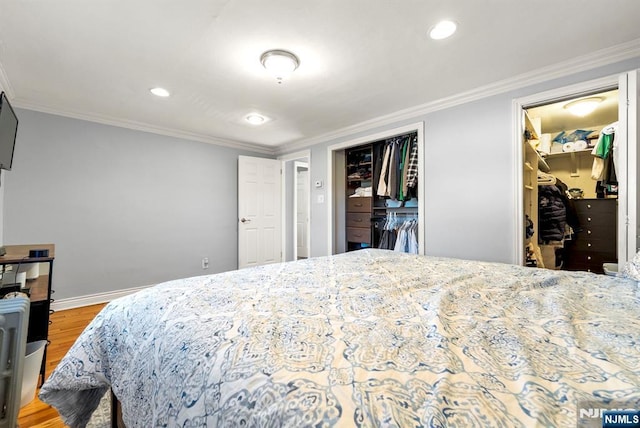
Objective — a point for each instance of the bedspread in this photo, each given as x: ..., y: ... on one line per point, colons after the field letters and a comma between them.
x: 368, y: 338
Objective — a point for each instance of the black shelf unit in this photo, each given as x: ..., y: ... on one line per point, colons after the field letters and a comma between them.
x: 39, y: 290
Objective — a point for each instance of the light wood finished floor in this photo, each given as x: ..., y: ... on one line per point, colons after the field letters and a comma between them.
x: 65, y: 327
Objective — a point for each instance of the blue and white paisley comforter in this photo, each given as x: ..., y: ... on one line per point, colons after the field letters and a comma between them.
x: 363, y: 339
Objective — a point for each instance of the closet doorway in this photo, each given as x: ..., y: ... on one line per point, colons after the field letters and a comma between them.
x: 578, y: 201
x: 301, y: 208
x: 296, y: 205
x: 361, y: 209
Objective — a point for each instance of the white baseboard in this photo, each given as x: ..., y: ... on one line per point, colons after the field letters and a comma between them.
x: 92, y: 299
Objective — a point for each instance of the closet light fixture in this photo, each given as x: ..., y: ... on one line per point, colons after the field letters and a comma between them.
x: 279, y: 63
x: 256, y: 119
x: 159, y: 92
x: 583, y: 106
x: 442, y: 30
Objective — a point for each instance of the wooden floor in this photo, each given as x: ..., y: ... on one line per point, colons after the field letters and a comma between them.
x: 65, y: 327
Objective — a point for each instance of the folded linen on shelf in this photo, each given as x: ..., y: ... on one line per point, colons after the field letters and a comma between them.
x: 361, y: 192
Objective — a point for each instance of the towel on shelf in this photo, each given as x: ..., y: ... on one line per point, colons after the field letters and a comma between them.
x: 362, y: 192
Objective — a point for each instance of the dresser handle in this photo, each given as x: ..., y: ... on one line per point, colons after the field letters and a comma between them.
x: 588, y: 205
x: 588, y: 218
x: 588, y: 257
x: 589, y: 232
x: 589, y: 244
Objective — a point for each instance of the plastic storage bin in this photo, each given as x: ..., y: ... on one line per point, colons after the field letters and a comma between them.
x: 610, y: 269
x: 32, y: 364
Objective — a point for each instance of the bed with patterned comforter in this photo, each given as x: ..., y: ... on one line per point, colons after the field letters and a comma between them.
x: 364, y: 339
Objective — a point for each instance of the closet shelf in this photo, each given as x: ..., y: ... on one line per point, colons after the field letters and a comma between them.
x: 542, y: 164
x: 559, y: 154
x: 528, y: 125
x: 411, y: 210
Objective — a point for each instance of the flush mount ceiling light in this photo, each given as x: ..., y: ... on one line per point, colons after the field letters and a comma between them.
x: 584, y: 106
x: 255, y: 119
x: 159, y: 92
x: 279, y: 63
x: 442, y: 30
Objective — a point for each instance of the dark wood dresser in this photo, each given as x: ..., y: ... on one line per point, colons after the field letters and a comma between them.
x: 359, y: 175
x: 595, y: 240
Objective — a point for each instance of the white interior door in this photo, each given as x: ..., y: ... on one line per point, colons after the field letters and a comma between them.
x: 302, y: 209
x: 259, y: 211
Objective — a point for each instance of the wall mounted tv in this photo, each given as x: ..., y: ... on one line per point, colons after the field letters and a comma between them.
x: 8, y: 131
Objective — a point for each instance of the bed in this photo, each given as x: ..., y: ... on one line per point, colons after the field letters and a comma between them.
x: 367, y: 338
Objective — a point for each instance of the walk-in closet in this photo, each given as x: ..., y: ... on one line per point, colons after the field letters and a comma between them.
x: 381, y: 191
x: 570, y: 183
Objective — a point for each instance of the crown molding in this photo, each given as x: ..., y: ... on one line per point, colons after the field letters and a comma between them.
x: 589, y: 61
x: 145, y: 127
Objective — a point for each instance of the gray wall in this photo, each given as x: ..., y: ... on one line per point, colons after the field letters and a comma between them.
x: 470, y: 174
x: 124, y: 208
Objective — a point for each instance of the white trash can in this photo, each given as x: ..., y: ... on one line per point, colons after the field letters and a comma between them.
x: 31, y: 374
x: 610, y: 269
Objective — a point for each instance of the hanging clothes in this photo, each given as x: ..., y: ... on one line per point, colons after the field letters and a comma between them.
x: 399, y: 170
x: 552, y: 214
x: 557, y: 219
x: 406, y: 240
x: 405, y: 170
x: 397, y: 235
x: 383, y: 189
x: 413, y: 239
x: 388, y: 239
x: 393, y: 170
x: 604, y: 153
x: 412, y: 167
x: 378, y: 156
x: 402, y: 173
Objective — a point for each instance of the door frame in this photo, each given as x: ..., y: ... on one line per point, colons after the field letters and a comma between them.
x: 293, y: 157
x: 417, y: 127
x: 626, y: 158
x: 298, y: 164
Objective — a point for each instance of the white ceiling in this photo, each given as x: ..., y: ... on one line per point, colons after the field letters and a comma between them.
x: 360, y: 59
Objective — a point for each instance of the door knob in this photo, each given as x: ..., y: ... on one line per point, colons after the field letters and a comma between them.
x: 245, y: 220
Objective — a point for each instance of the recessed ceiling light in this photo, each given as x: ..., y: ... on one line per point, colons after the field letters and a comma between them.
x: 255, y: 119
x: 442, y: 30
x: 583, y: 106
x: 279, y: 63
x: 160, y: 92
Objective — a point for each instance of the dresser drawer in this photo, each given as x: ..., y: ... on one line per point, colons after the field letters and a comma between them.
x: 359, y: 219
x: 596, y: 207
x: 597, y: 221
x: 361, y: 205
x: 588, y: 261
x: 599, y: 233
x: 359, y: 234
x: 605, y: 209
x: 584, y: 243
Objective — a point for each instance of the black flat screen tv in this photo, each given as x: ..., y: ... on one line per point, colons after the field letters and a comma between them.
x: 8, y: 131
